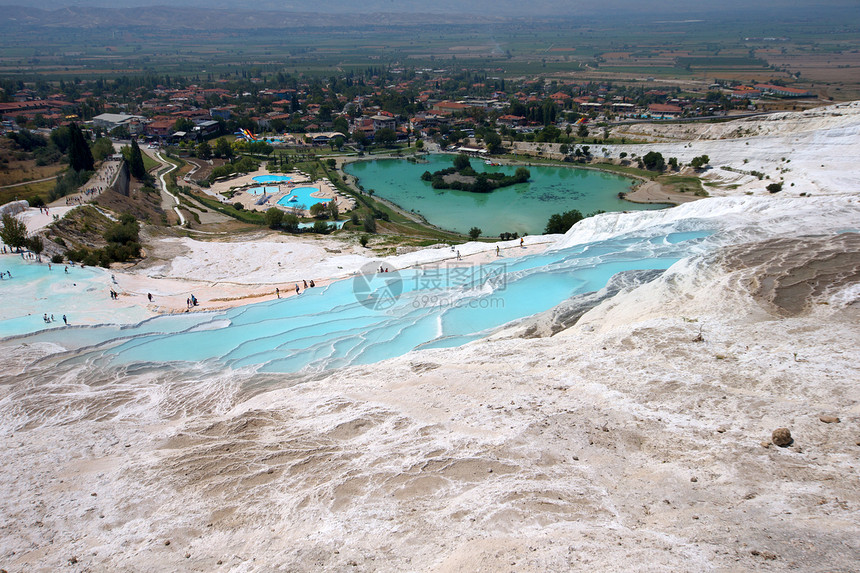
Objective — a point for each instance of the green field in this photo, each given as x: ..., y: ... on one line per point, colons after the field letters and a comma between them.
x: 563, y: 48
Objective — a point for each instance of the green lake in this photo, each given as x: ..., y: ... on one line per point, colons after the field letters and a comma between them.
x: 522, y: 208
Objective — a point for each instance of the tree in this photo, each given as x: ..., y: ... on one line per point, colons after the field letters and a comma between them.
x: 135, y: 162
x: 183, y: 124
x: 333, y: 212
x: 474, y: 233
x: 522, y: 174
x: 654, y: 161
x: 223, y: 148
x: 359, y: 137
x: 385, y: 136
x: 774, y: 187
x: 493, y: 142
x: 562, y: 222
x: 204, y: 150
x: 62, y: 138
x: 14, y: 232
x: 369, y: 223
x: 582, y: 131
x: 321, y: 227
x: 341, y: 124
x: 120, y: 132
x: 318, y: 210
x: 102, y: 148
x: 419, y: 144
x: 700, y: 161
x: 35, y: 244
x: 461, y: 162
x: 274, y: 217
x: 80, y: 156
x: 290, y: 222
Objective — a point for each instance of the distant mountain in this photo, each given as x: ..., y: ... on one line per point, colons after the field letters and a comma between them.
x: 489, y: 8
x: 232, y: 14
x: 190, y: 18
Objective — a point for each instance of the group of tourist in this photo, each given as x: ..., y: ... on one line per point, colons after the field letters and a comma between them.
x: 103, y: 178
x: 50, y: 319
x: 307, y: 285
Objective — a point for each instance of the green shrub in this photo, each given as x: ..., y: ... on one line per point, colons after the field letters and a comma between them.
x: 274, y: 217
x: 369, y: 223
x: 561, y: 222
x: 321, y: 227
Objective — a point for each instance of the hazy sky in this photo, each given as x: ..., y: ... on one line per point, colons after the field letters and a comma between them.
x: 661, y: 8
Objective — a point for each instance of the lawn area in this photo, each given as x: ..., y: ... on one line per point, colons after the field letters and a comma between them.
x: 149, y: 163
x: 683, y: 183
x: 42, y: 189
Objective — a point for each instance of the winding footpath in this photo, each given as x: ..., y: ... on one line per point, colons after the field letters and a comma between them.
x: 22, y: 183
x: 164, y: 186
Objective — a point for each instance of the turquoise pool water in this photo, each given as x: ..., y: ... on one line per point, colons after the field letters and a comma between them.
x: 370, y: 318
x: 523, y: 208
x: 83, y: 295
x: 260, y: 190
x: 302, y: 197
x: 337, y: 224
x: 272, y: 178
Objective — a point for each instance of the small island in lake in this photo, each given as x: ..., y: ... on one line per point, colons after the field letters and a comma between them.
x: 463, y: 178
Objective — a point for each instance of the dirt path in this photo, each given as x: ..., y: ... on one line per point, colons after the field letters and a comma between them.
x: 21, y: 184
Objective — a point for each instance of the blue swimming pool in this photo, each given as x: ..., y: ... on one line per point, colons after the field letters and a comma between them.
x: 301, y: 196
x: 272, y: 178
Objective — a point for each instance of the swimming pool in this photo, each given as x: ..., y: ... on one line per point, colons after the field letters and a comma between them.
x: 272, y: 178
x: 302, y: 197
x: 265, y: 189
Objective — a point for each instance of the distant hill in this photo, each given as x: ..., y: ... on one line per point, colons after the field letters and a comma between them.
x: 442, y: 9
x: 174, y: 18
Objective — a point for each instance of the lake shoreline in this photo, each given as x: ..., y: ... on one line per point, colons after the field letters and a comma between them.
x: 515, y: 212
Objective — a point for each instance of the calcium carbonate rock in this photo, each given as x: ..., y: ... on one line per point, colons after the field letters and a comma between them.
x: 782, y: 437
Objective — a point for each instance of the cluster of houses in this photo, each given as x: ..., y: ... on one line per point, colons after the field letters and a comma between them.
x: 195, y: 113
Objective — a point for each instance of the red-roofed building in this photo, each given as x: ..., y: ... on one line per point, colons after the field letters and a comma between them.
x: 511, y: 120
x: 450, y: 106
x: 782, y: 91
x: 160, y: 127
x: 664, y: 109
